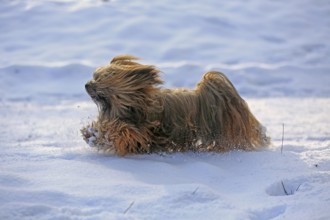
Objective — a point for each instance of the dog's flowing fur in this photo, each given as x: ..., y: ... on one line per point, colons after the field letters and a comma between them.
x: 137, y: 116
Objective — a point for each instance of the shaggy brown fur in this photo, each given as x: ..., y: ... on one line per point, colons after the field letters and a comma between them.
x: 136, y: 116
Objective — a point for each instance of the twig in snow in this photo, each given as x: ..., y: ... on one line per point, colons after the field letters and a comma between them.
x: 298, y: 187
x: 195, y: 190
x: 292, y: 192
x: 286, y: 192
x: 128, y: 208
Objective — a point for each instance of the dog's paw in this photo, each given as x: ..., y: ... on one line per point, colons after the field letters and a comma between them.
x: 265, y: 139
x: 90, y: 135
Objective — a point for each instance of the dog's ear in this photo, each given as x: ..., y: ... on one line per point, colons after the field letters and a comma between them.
x: 136, y: 72
x: 125, y: 59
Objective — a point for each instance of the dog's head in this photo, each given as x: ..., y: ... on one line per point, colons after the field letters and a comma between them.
x: 124, y: 87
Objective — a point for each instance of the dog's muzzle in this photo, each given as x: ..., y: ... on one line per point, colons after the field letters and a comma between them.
x: 90, y: 89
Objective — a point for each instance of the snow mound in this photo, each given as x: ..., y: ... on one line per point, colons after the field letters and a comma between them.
x: 275, y: 52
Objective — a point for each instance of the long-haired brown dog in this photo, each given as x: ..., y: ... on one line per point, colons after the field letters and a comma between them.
x: 136, y: 116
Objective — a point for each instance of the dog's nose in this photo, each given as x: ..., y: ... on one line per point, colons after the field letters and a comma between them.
x: 89, y: 87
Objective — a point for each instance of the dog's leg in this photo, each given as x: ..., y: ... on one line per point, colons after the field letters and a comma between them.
x: 90, y: 134
x: 129, y: 139
x: 226, y: 117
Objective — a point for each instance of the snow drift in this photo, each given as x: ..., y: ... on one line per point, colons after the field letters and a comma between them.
x: 276, y: 54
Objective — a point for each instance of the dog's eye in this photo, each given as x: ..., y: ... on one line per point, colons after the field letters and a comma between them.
x: 96, y: 75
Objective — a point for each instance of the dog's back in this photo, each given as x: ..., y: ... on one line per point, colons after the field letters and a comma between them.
x: 211, y: 117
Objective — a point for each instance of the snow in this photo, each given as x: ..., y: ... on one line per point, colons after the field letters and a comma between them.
x: 275, y: 52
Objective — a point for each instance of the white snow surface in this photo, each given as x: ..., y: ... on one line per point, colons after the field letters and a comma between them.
x: 277, y: 54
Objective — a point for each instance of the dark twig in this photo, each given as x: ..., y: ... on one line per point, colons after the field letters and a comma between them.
x: 195, y: 190
x: 286, y: 192
x: 292, y: 192
x: 128, y: 208
x: 298, y: 187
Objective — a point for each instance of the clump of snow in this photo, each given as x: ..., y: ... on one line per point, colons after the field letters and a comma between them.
x: 92, y: 139
x: 91, y: 135
x: 276, y: 53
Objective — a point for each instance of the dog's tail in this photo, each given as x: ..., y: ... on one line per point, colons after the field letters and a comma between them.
x: 226, y: 117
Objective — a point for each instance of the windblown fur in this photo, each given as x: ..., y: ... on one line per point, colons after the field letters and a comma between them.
x: 136, y: 116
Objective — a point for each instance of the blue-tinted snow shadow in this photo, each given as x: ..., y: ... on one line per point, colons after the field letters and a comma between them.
x: 258, y: 82
x: 180, y: 168
x: 55, y: 84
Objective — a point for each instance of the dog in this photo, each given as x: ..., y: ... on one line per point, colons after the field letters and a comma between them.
x: 136, y: 116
